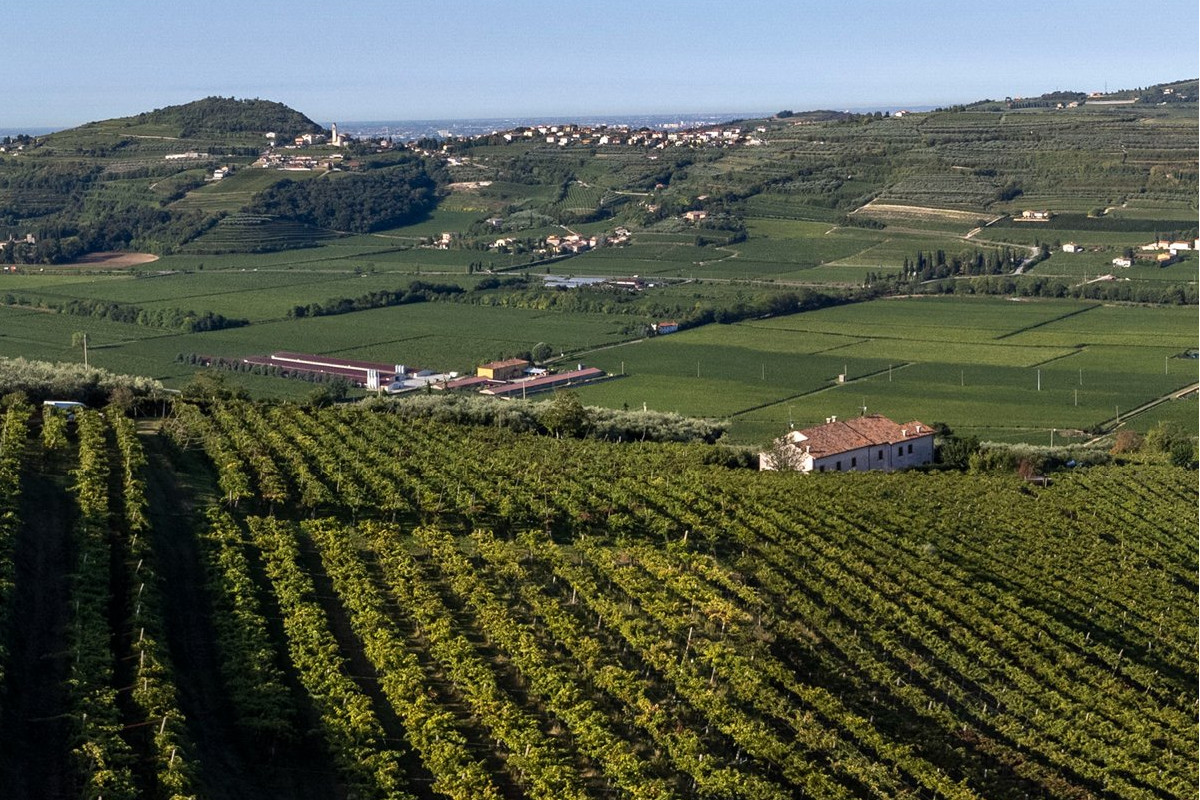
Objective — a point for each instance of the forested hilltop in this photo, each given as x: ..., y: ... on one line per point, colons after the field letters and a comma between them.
x: 127, y: 183
x: 246, y: 601
x: 222, y: 116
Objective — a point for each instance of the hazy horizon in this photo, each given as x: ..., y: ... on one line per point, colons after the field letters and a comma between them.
x: 72, y: 62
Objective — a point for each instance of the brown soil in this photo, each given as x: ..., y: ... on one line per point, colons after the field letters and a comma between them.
x: 113, y: 260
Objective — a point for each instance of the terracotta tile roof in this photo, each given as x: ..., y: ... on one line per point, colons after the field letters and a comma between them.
x: 511, y: 362
x: 851, y: 434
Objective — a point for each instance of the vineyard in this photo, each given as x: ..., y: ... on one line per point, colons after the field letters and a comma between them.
x: 249, y: 600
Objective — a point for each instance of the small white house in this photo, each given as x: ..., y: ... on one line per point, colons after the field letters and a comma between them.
x: 1122, y: 262
x: 1071, y: 247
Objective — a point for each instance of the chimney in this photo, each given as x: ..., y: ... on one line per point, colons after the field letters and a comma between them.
x: 904, y: 432
x: 833, y: 418
x: 918, y: 429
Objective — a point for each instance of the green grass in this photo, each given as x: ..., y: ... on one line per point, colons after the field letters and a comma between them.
x: 438, y: 222
x: 973, y: 363
x: 254, y: 295
x: 1183, y: 413
x: 238, y: 189
x: 1173, y: 327
x: 938, y: 319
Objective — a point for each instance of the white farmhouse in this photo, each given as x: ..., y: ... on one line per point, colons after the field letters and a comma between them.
x: 853, y: 445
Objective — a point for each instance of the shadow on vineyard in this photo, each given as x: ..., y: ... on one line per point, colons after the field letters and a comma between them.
x: 254, y: 600
x: 35, y: 735
x: 236, y: 764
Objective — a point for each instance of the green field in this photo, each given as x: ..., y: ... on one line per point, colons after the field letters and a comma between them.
x: 444, y: 336
x: 974, y: 364
x: 828, y: 204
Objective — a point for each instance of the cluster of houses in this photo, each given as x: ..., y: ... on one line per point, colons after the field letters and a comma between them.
x: 1030, y: 215
x: 572, y: 243
x: 568, y: 244
x: 609, y: 135
x: 1162, y: 252
x: 1170, y: 247
x: 191, y: 155
x: 298, y: 162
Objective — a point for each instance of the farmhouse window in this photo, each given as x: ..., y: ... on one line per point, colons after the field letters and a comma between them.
x: 910, y: 449
x: 839, y: 466
x: 900, y: 450
x: 881, y: 455
x: 853, y: 462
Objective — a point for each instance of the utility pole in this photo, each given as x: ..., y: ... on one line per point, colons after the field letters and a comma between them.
x: 1039, y: 379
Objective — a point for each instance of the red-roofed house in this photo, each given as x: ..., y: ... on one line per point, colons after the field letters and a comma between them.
x: 857, y: 444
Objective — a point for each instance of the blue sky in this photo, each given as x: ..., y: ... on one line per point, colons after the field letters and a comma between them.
x: 69, y: 61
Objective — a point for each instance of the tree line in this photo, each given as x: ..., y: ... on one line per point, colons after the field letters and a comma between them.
x: 416, y: 292
x: 170, y: 318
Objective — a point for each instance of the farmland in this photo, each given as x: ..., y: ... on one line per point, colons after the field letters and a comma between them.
x: 263, y: 601
x: 256, y: 598
x: 972, y: 363
x: 813, y: 210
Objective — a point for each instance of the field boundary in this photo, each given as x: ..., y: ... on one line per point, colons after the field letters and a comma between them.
x: 1036, y: 325
x: 818, y: 390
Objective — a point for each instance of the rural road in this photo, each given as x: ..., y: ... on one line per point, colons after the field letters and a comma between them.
x: 1175, y: 395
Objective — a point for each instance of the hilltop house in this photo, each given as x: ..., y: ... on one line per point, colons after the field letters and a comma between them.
x: 853, y: 445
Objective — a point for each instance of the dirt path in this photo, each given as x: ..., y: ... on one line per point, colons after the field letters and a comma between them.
x: 1113, y: 423
x: 34, y: 728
